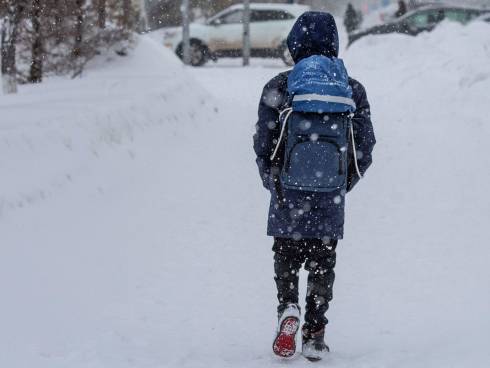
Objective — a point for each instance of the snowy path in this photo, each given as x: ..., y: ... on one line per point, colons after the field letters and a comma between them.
x: 154, y: 255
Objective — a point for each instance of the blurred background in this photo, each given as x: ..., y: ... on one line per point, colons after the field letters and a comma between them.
x: 167, y: 13
x: 62, y: 36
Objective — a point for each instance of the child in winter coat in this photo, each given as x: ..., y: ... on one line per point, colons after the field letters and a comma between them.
x: 306, y: 226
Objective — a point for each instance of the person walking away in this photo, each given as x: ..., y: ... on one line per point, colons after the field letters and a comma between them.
x: 314, y: 140
x: 351, y: 19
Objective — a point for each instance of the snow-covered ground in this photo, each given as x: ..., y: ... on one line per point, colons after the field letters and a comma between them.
x: 132, y: 219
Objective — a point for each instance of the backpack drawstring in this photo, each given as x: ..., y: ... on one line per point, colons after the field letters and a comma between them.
x: 354, y: 150
x: 288, y: 112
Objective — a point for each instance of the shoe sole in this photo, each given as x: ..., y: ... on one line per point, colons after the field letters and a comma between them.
x: 284, y: 345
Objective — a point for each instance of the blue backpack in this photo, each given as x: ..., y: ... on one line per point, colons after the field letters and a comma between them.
x: 315, y: 130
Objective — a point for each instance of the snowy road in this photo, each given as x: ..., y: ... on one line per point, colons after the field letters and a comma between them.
x: 152, y: 252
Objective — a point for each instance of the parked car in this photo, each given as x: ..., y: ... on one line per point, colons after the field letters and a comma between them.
x: 426, y: 18
x: 222, y: 34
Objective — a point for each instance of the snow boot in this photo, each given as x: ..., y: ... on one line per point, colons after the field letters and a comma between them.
x: 284, y: 344
x: 314, y: 347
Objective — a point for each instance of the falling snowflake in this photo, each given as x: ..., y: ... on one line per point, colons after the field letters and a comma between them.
x: 305, y: 125
x: 325, y: 239
x: 297, y: 236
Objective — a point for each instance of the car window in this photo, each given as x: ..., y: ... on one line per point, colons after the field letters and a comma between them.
x: 426, y: 19
x: 233, y: 17
x: 419, y: 20
x: 269, y: 15
x: 472, y: 14
x: 436, y: 16
x: 457, y: 16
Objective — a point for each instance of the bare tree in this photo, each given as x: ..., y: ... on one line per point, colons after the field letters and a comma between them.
x: 127, y: 13
x: 143, y: 15
x: 101, y: 13
x: 36, y: 71
x: 59, y: 10
x: 78, y: 12
x: 10, y: 28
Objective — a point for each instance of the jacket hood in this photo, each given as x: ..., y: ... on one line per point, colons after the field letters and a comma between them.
x: 314, y: 33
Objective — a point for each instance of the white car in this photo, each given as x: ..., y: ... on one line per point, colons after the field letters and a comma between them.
x: 222, y: 34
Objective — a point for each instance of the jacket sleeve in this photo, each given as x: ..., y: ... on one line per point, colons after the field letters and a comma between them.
x: 267, y: 127
x: 363, y: 133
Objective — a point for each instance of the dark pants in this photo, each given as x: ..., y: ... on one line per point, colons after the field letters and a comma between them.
x: 319, y: 258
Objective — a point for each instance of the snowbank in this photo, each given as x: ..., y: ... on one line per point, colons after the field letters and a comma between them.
x: 429, y: 205
x: 95, y: 173
x: 51, y: 133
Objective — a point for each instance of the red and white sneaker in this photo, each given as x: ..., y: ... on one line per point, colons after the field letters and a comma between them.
x: 285, y: 342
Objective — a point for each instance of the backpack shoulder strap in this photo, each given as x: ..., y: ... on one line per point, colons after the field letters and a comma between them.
x: 286, y: 113
x: 354, y: 152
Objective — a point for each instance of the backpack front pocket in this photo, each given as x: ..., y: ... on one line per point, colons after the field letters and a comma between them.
x: 315, y: 164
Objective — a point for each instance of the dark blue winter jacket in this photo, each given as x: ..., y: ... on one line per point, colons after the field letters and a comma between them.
x: 308, y: 214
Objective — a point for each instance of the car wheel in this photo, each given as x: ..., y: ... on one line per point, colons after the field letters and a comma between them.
x: 199, y: 53
x: 286, y: 55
